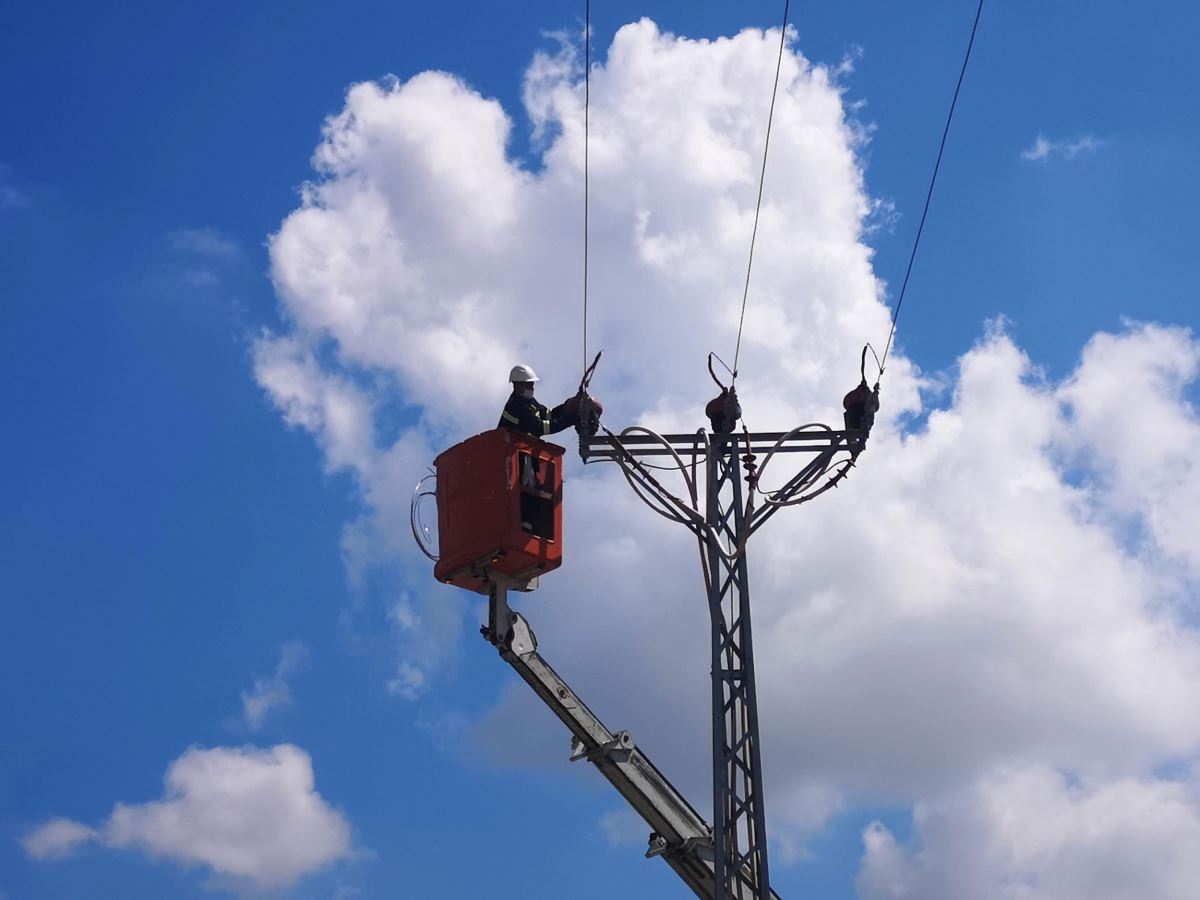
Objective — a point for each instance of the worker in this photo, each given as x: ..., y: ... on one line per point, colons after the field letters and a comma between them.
x: 523, y: 413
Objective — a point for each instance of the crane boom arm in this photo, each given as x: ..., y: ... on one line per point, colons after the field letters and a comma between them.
x: 679, y: 834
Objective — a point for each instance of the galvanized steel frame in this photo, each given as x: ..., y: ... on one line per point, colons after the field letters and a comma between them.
x: 739, y: 828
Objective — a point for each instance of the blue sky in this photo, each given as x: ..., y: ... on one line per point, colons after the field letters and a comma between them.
x: 166, y: 532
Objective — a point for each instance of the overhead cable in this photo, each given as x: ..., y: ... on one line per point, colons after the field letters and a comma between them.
x: 587, y: 83
x: 929, y: 194
x: 761, y: 178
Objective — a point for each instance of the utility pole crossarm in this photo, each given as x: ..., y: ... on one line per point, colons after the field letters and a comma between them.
x: 798, y: 440
x: 822, y: 444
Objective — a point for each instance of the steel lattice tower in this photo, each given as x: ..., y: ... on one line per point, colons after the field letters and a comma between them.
x: 730, y: 517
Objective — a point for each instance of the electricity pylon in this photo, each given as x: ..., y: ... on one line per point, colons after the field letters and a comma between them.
x: 729, y: 518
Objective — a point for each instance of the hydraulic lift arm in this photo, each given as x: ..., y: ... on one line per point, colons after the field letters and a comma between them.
x: 679, y: 834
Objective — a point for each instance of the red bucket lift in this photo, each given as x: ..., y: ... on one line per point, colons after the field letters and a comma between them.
x: 499, y: 503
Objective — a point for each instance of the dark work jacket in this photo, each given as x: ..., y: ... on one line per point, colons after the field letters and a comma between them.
x: 527, y: 415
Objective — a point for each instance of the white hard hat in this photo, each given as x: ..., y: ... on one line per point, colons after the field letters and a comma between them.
x: 522, y: 373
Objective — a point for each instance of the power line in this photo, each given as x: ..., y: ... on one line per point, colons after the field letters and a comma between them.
x: 932, y: 181
x: 761, y: 178
x: 587, y: 83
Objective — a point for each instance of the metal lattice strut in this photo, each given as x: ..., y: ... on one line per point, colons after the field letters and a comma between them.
x: 739, y: 814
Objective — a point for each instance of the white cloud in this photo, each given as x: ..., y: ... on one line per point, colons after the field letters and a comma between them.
x: 403, y: 616
x: 1032, y: 834
x: 206, y: 242
x: 200, y: 257
x: 1131, y: 416
x: 408, y: 681
x: 252, y: 816
x: 970, y: 599
x: 1043, y: 148
x: 57, y: 838
x: 330, y: 406
x: 269, y: 694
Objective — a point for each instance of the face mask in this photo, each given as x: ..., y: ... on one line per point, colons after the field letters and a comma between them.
x: 526, y: 393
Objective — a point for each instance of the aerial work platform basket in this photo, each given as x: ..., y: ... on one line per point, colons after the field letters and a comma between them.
x: 499, y: 506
